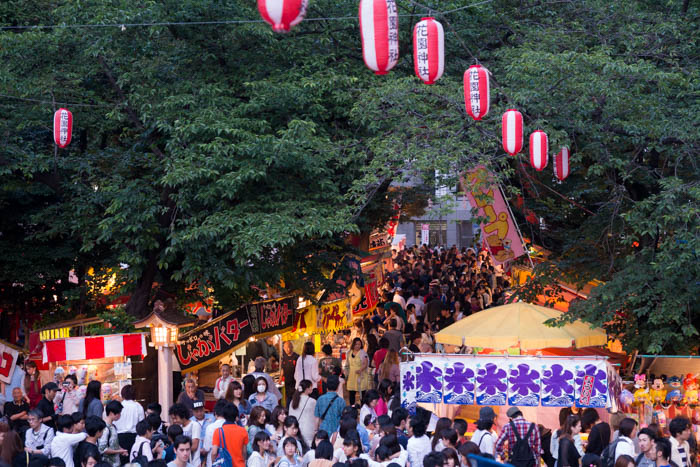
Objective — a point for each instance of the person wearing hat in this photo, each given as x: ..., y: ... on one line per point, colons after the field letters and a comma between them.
x: 525, y: 430
x: 46, y: 406
x: 200, y: 417
x: 484, y: 437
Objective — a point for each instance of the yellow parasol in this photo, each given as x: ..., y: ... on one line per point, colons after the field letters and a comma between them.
x: 519, y: 325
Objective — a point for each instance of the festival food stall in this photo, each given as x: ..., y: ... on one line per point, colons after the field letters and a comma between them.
x: 504, y: 365
x: 204, y: 348
x: 106, y: 358
x: 539, y: 385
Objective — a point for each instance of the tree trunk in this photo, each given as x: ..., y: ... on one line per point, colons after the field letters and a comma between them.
x: 138, y: 302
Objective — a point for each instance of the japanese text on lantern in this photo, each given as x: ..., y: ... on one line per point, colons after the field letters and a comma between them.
x: 64, y: 127
x: 474, y: 97
x: 422, y: 48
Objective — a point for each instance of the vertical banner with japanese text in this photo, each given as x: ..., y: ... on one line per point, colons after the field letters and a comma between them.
x: 499, y: 230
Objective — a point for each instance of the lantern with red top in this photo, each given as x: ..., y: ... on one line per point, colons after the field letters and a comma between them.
x: 512, y: 132
x: 282, y: 15
x: 561, y: 164
x: 539, y: 147
x: 476, y: 91
x: 62, y: 127
x: 428, y: 50
x: 379, y: 29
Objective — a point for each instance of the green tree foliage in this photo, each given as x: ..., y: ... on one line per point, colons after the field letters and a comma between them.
x: 227, y: 155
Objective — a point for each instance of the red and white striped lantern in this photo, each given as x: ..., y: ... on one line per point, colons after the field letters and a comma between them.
x: 476, y: 91
x: 428, y: 50
x: 282, y: 14
x: 561, y: 164
x: 62, y: 127
x: 379, y: 28
x: 539, y: 147
x: 512, y: 132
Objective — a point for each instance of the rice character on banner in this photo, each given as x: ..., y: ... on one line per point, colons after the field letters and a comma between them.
x: 428, y: 381
x: 523, y: 385
x: 558, y: 385
x: 491, y: 384
x: 458, y: 382
x: 408, y: 386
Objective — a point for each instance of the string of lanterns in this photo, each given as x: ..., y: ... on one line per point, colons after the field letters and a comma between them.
x: 379, y: 31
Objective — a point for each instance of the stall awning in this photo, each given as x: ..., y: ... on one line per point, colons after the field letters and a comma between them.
x: 88, y: 348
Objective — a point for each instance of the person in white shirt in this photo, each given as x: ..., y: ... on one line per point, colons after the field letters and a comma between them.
x: 223, y: 381
x: 307, y: 367
x: 416, y: 300
x: 625, y: 445
x: 39, y: 436
x: 211, y: 428
x: 142, y: 444
x: 679, y: 428
x: 68, y: 398
x: 132, y: 413
x: 180, y: 414
x: 398, y: 298
x: 64, y: 442
x: 183, y: 452
x: 483, y: 437
x: 418, y: 444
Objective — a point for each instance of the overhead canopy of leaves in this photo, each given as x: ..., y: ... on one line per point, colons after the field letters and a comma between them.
x: 231, y: 156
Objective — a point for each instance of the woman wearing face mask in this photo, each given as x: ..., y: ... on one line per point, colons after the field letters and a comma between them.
x: 262, y: 396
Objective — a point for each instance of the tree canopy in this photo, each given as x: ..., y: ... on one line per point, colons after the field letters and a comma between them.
x: 226, y: 155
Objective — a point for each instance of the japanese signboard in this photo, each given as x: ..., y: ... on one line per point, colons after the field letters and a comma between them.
x: 209, y: 342
x: 334, y: 316
x: 370, y: 299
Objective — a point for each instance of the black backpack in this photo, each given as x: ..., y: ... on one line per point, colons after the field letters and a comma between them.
x: 139, y: 457
x: 521, y: 454
x: 607, y: 457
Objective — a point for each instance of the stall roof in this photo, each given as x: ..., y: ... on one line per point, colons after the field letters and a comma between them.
x: 671, y: 365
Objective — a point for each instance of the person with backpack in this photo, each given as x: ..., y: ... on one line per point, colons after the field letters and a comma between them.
x: 141, y: 450
x: 646, y: 438
x: 523, y: 439
x: 483, y: 437
x: 622, y: 445
x: 329, y: 407
x: 230, y: 442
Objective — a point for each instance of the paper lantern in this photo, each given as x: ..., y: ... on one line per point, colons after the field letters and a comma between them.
x: 512, y: 132
x: 561, y: 164
x: 62, y: 127
x: 282, y: 14
x: 476, y: 91
x: 379, y: 28
x: 428, y: 50
x: 539, y: 146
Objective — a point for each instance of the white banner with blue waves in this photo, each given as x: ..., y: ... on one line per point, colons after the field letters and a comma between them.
x: 505, y: 380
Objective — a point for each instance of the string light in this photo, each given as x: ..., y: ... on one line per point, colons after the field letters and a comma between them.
x: 123, y: 26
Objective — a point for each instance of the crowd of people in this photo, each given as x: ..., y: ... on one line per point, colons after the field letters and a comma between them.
x: 336, y: 411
